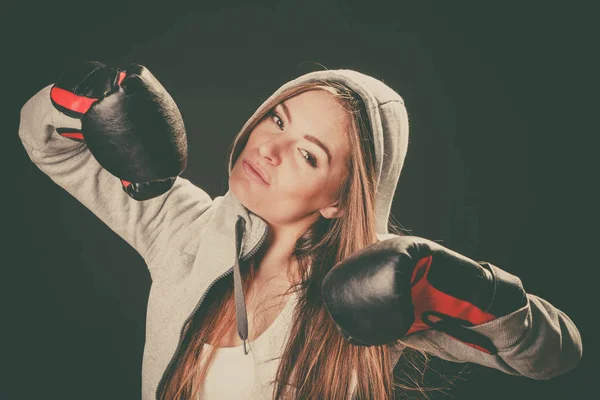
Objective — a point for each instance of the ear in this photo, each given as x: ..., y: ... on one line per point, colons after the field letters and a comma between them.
x: 332, y: 211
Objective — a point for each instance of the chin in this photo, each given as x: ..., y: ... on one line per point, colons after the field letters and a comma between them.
x: 240, y: 190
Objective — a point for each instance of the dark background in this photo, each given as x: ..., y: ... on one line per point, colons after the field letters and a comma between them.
x: 500, y: 166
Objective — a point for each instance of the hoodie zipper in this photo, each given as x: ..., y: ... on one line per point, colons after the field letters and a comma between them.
x: 229, y: 271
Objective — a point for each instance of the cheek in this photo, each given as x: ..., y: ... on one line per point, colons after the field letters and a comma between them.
x: 303, y: 190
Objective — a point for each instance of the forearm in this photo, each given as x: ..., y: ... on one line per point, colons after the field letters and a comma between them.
x: 537, y: 340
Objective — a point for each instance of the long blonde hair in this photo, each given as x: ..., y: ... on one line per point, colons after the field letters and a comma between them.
x: 317, y: 363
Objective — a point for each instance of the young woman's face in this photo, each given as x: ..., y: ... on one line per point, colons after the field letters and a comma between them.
x: 302, y: 180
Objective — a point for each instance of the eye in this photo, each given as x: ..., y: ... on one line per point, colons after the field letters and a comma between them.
x: 311, y: 160
x: 278, y: 121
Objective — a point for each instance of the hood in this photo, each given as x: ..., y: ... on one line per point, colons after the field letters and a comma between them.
x: 389, y: 126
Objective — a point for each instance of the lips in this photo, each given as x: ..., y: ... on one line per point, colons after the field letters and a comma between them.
x: 257, y: 170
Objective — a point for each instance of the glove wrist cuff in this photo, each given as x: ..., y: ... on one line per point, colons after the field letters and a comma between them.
x: 508, y: 294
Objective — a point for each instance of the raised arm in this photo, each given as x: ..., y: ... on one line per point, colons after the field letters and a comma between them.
x: 538, y: 341
x: 147, y: 225
x: 427, y: 296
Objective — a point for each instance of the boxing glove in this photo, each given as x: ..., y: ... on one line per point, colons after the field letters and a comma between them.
x: 407, y: 284
x: 129, y: 122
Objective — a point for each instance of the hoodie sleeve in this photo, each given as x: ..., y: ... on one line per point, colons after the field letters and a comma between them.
x: 538, y: 341
x: 147, y: 225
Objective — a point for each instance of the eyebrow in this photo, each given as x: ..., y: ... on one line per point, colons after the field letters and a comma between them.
x: 310, y: 138
x: 286, y: 111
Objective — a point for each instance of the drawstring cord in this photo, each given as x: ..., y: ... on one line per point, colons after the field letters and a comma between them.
x: 240, y: 303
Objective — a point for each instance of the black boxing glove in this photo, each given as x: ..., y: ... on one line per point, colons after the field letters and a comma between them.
x: 401, y: 286
x: 129, y: 122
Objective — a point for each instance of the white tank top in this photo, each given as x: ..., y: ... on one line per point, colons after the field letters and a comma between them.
x: 234, y: 375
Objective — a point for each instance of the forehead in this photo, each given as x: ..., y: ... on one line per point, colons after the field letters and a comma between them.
x: 321, y: 114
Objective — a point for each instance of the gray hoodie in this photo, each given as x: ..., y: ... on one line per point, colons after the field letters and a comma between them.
x: 189, y: 241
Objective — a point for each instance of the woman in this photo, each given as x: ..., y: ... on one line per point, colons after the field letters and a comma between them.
x: 235, y: 308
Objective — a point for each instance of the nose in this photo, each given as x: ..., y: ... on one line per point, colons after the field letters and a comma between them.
x: 271, y: 151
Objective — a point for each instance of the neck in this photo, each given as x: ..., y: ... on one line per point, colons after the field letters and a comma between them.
x: 276, y: 260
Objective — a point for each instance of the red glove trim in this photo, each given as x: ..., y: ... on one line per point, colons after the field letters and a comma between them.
x: 122, y: 76
x: 425, y: 298
x: 73, y: 134
x: 71, y: 101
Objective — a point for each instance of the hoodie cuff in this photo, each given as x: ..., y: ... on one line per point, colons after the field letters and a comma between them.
x: 507, y: 331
